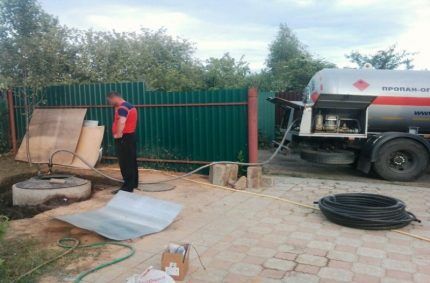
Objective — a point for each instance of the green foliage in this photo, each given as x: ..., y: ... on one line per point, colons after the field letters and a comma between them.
x: 158, y: 59
x: 20, y: 255
x: 295, y: 74
x: 225, y: 72
x: 3, y: 225
x: 242, y: 169
x: 290, y: 65
x: 35, y: 51
x: 34, y: 48
x: 284, y: 48
x: 384, y: 59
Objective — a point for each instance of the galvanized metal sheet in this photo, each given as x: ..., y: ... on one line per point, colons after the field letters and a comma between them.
x: 127, y: 216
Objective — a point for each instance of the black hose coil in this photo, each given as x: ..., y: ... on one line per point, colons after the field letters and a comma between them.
x: 366, y: 211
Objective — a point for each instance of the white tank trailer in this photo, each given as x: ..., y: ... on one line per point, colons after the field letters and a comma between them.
x: 375, y: 119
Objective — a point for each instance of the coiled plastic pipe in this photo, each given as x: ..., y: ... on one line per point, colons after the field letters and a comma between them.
x: 366, y: 211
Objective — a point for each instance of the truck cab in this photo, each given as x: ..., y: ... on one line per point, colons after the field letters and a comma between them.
x: 377, y: 120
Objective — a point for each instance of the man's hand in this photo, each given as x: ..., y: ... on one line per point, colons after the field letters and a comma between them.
x: 120, y: 128
x: 117, y: 136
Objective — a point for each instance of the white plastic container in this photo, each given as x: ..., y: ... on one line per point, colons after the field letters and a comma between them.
x: 91, y: 123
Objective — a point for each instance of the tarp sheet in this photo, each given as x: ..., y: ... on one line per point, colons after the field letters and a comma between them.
x: 127, y: 216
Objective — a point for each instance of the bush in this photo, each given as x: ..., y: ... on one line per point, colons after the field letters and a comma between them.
x: 3, y: 225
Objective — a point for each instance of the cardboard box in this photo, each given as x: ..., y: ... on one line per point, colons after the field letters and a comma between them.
x: 175, y: 264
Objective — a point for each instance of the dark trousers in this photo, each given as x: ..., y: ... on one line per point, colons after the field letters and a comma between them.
x: 127, y: 157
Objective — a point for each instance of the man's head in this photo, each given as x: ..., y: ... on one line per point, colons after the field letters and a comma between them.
x: 114, y: 98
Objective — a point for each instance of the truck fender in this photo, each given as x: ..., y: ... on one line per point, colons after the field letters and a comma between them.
x: 369, y: 152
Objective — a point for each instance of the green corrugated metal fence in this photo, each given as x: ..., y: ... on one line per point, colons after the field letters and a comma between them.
x: 266, y: 118
x: 195, y: 126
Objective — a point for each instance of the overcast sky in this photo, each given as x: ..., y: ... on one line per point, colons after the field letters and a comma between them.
x: 330, y: 28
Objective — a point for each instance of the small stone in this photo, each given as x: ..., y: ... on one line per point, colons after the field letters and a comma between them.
x: 241, y: 183
x: 254, y: 174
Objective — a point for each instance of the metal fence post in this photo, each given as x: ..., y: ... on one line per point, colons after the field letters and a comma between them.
x: 12, y: 127
x: 253, y: 125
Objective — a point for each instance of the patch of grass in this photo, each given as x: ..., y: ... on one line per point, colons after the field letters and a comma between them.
x: 20, y: 255
x: 3, y: 225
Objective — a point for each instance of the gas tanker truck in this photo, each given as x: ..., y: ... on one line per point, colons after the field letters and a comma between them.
x: 376, y: 120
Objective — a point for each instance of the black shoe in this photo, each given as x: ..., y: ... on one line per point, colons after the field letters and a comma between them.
x: 114, y: 192
x: 121, y: 189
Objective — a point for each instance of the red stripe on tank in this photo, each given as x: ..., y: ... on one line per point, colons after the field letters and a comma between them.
x: 402, y: 101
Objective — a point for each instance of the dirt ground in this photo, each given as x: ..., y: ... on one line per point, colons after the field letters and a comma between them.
x: 292, y: 165
x: 9, y: 168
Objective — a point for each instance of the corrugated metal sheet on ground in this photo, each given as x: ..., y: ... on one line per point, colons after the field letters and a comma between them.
x: 127, y: 216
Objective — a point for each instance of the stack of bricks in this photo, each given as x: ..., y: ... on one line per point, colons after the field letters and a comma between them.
x: 227, y: 175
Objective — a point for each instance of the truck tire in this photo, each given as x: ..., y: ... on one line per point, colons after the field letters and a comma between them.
x: 337, y: 157
x: 401, y: 160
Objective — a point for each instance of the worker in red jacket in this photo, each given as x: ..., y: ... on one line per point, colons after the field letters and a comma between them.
x: 123, y: 130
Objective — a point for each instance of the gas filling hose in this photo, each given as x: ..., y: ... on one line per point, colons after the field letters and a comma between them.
x: 278, y: 149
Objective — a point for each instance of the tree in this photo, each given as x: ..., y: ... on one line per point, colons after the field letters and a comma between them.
x: 298, y: 72
x: 33, y: 50
x: 225, y: 72
x: 285, y: 47
x: 290, y: 65
x: 384, y: 59
x: 161, y: 61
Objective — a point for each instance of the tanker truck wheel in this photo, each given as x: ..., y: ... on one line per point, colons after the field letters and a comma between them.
x: 401, y: 160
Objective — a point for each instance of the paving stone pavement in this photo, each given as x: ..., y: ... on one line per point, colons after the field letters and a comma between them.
x: 243, y: 238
